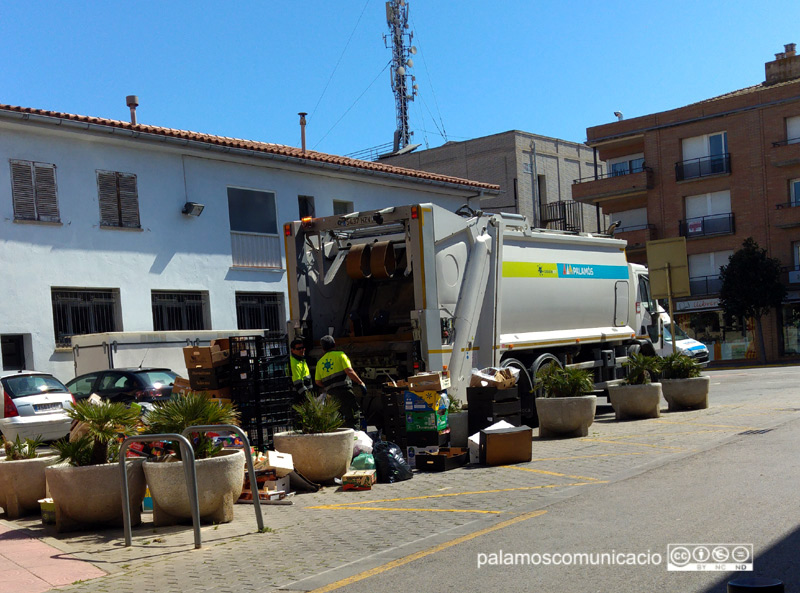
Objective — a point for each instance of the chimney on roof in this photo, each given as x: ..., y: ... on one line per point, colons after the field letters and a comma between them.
x: 133, y: 102
x: 785, y: 67
x: 302, y: 115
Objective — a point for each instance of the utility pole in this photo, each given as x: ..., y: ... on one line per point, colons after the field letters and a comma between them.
x: 402, y: 50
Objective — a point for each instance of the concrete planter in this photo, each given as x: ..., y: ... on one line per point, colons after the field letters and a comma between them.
x: 319, y: 457
x: 92, y: 494
x: 220, y: 481
x: 565, y: 416
x: 22, y: 484
x: 631, y: 402
x: 686, y: 394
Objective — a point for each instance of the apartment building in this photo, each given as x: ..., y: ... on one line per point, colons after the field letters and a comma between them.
x: 535, y: 175
x: 107, y: 225
x: 716, y: 172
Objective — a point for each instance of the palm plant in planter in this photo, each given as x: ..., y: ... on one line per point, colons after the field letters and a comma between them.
x: 639, y: 396
x: 22, y: 481
x: 565, y: 407
x: 683, y: 386
x: 220, y: 472
x: 321, y: 450
x: 92, y: 459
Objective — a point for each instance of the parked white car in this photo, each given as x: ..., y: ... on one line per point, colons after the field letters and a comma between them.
x: 684, y: 344
x: 34, y: 405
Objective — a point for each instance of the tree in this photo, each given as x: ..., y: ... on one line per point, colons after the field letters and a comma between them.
x: 751, y: 287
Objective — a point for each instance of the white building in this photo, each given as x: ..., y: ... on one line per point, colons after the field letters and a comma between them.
x: 93, y: 236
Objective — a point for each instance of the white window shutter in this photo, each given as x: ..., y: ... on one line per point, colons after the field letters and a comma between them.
x: 46, y: 195
x: 107, y: 196
x: 128, y: 200
x: 22, y: 190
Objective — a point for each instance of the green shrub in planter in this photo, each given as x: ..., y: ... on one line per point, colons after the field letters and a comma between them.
x: 318, y: 415
x: 679, y: 366
x: 556, y: 381
x: 642, y: 369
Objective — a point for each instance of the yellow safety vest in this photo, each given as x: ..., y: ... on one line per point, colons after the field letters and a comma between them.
x: 301, y: 376
x: 330, y: 370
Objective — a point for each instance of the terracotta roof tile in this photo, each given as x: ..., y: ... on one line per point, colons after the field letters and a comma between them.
x: 264, y: 147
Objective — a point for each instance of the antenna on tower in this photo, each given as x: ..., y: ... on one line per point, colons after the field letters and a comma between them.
x: 403, y: 83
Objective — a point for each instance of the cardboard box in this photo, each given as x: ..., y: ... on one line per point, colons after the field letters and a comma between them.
x: 181, y: 386
x: 413, y: 451
x: 205, y: 357
x: 359, y: 479
x: 428, y: 382
x: 222, y: 344
x: 506, y: 446
x: 202, y: 379
x: 474, y: 440
x: 423, y: 401
x: 445, y: 459
x: 494, y: 377
x: 280, y: 463
x: 416, y: 421
x: 267, y: 489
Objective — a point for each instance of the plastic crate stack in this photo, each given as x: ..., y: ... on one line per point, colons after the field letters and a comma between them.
x: 261, y: 386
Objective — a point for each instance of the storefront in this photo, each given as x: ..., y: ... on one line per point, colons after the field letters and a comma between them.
x: 790, y: 321
x: 703, y: 320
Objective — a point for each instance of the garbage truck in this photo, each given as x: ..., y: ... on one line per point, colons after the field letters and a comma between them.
x: 415, y: 288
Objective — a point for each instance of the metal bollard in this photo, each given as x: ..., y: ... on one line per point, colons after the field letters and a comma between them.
x: 755, y: 585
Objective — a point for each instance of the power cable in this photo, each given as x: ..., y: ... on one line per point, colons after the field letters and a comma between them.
x: 353, y: 105
x: 346, y: 45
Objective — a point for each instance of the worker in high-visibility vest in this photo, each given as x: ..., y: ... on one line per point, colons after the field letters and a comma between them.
x: 301, y: 376
x: 335, y: 376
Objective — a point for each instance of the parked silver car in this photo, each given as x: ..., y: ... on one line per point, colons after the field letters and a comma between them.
x: 34, y: 405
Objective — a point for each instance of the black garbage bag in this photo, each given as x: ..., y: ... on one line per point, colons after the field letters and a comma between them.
x: 390, y: 464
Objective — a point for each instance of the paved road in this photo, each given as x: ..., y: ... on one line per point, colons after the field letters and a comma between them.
x: 628, y: 486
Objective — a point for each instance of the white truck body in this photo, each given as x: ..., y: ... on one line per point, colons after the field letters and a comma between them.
x: 421, y: 288
x: 116, y: 350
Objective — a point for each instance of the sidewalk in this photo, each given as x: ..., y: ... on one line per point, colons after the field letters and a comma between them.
x: 331, y: 535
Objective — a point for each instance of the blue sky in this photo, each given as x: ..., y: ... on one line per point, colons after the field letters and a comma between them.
x: 245, y: 68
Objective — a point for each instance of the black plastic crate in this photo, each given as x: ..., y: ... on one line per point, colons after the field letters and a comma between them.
x: 247, y: 346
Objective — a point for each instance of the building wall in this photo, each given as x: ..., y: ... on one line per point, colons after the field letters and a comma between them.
x: 514, y: 160
x: 171, y: 251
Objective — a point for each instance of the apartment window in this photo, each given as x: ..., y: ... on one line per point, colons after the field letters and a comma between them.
x: 703, y: 155
x: 84, y: 311
x: 340, y: 207
x: 261, y: 310
x: 181, y: 310
x: 793, y: 129
x: 305, y: 206
x: 626, y: 165
x: 704, y: 272
x: 254, y: 228
x: 794, y: 192
x: 119, y: 199
x: 33, y: 191
x: 708, y: 214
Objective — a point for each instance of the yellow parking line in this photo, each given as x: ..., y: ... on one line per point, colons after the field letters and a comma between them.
x: 591, y: 456
x: 349, y: 505
x: 423, y: 553
x: 541, y: 471
x: 634, y: 444
x: 621, y: 438
x: 709, y: 425
x: 333, y: 507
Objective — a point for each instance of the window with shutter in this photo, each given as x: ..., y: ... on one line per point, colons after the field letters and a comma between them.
x: 118, y: 198
x: 33, y: 190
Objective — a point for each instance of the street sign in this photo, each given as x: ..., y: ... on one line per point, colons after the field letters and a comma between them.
x: 668, y: 268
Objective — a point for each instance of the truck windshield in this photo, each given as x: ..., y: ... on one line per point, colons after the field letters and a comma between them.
x: 681, y: 335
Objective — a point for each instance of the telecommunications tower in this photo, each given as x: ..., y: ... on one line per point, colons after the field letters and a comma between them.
x: 403, y: 83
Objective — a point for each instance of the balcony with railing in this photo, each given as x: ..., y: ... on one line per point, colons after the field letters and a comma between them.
x: 719, y: 164
x: 785, y: 153
x: 705, y: 285
x: 563, y: 215
x: 255, y: 250
x: 787, y: 215
x: 617, y: 184
x: 636, y: 236
x: 706, y: 226
x: 792, y: 275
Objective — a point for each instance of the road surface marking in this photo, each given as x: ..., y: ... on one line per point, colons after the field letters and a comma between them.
x: 635, y: 444
x: 541, y: 471
x: 423, y: 553
x: 596, y: 455
x: 333, y: 507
